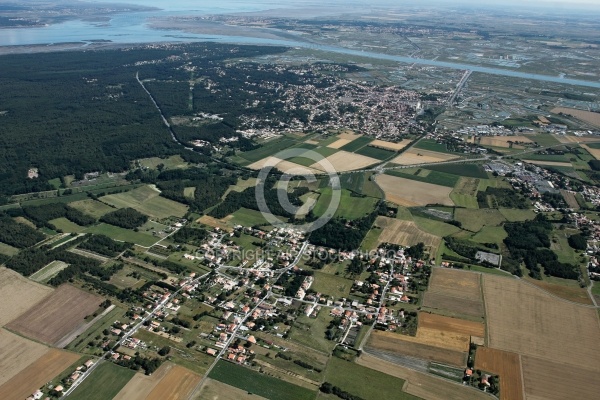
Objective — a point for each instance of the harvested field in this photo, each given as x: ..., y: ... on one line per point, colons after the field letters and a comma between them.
x: 570, y: 199
x: 448, y: 324
x: 572, y: 293
x: 177, y: 384
x: 441, y: 339
x: 455, y: 283
x: 405, y: 233
x: 575, y: 139
x: 57, y: 315
x: 549, y: 380
x: 94, y: 208
x: 421, y: 156
x: 17, y: 353
x: 310, y: 141
x: 283, y: 166
x: 345, y: 161
x: 592, y: 118
x: 594, y: 152
x: 216, y: 223
x: 395, y: 343
x: 18, y: 294
x: 502, y: 141
x: 37, y: 374
x: 389, y: 145
x: 339, y: 143
x: 215, y: 390
x: 349, y: 135
x: 142, y: 387
x: 438, y: 301
x: 505, y: 364
x: 409, y: 193
x: 549, y: 163
x: 526, y: 320
x: 420, y: 384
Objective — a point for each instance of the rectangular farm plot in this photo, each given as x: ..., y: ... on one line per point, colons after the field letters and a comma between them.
x: 94, y: 208
x: 592, y: 118
x: 17, y: 354
x: 213, y: 389
x: 49, y: 271
x: 456, y: 305
x: 421, y: 156
x: 456, y: 283
x: 505, y: 364
x: 57, y: 315
x: 176, y: 384
x: 37, y: 374
x: 527, y: 320
x: 104, y: 383
x: 147, y: 200
x: 140, y: 386
x: 448, y: 324
x: 339, y: 143
x: 549, y: 380
x: 399, y: 344
x: 405, y: 233
x: 409, y: 193
x: 18, y: 294
x: 389, y: 145
x: 345, y: 161
x: 283, y: 166
x: 503, y: 141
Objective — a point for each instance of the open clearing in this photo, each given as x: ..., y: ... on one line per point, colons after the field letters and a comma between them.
x: 17, y: 353
x: 49, y: 271
x: 106, y: 381
x: 176, y: 384
x: 465, y: 191
x: 216, y: 223
x: 283, y: 166
x: 37, y: 374
x: 526, y: 320
x: 94, y: 208
x: 405, y: 233
x: 349, y: 135
x: 503, y: 141
x: 456, y: 291
x: 57, y: 315
x: 549, y: 380
x: 420, y: 156
x: 550, y: 163
x: 215, y: 390
x: 422, y: 385
x: 409, y: 193
x: 592, y: 118
x: 389, y: 145
x: 474, y: 220
x: 345, y: 161
x: 8, y: 250
x: 505, y: 364
x: 18, y: 294
x: 147, y: 200
x: 396, y: 343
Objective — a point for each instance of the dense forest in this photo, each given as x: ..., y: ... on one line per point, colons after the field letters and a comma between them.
x: 104, y: 245
x: 76, y: 112
x: 127, y: 218
x: 529, y: 242
x: 17, y: 234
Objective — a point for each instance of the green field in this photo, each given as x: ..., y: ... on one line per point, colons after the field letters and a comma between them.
x: 546, y: 157
x: 66, y: 226
x: 468, y: 170
x: 437, y: 228
x: 432, y: 145
x: 311, y: 331
x: 473, y: 220
x: 123, y: 235
x: 433, y: 177
x: 371, y: 239
x: 350, y: 207
x: 490, y: 234
x: 146, y: 200
x: 104, y: 383
x: 515, y: 215
x: 375, y: 152
x: 544, y: 139
x: 333, y: 285
x: 267, y: 149
x: 259, y: 384
x: 361, y: 183
x: 365, y: 382
x: 306, y: 160
x: 8, y: 250
x: 357, y: 144
x: 247, y: 217
x: 169, y: 163
x: 94, y: 208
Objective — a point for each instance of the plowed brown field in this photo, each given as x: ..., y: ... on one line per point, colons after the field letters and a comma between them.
x: 57, y: 315
x: 505, y: 364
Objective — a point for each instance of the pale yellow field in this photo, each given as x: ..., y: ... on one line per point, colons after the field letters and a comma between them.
x: 590, y: 117
x: 176, y: 384
x: 409, y: 193
x: 349, y: 135
x: 216, y: 223
x: 420, y: 156
x: 594, y: 152
x: 17, y: 353
x: 576, y: 139
x: 140, y: 386
x: 345, y: 161
x: 502, y: 141
x: 310, y: 141
x: 283, y: 166
x: 389, y: 145
x: 18, y: 294
x: 554, y: 163
x: 526, y: 320
x: 339, y: 143
x: 422, y: 385
x: 405, y: 233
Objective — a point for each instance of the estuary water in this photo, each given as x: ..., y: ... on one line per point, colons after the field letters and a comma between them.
x: 134, y: 28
